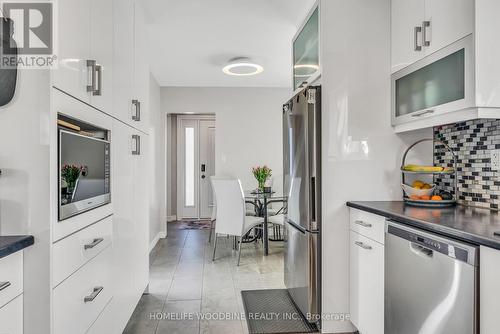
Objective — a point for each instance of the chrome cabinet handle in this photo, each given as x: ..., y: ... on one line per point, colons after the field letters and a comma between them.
x: 94, y: 243
x: 425, y: 112
x: 425, y: 25
x: 93, y: 295
x: 137, y: 140
x: 91, y: 64
x: 98, y: 87
x: 362, y: 245
x: 137, y: 105
x: 416, y: 31
x: 4, y: 285
x: 362, y: 223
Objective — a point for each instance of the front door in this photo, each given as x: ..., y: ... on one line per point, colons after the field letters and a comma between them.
x: 195, y: 165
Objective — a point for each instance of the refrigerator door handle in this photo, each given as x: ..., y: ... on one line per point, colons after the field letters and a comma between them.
x: 313, y: 201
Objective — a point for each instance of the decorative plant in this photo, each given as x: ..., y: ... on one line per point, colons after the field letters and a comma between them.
x: 262, y: 174
x: 70, y: 174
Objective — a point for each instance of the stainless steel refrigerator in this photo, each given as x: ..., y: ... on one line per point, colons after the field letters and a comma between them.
x: 302, y: 187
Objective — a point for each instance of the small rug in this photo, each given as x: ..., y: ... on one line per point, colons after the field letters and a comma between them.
x: 272, y: 312
x: 194, y: 224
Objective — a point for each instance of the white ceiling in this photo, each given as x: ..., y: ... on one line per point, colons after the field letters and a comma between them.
x: 193, y: 39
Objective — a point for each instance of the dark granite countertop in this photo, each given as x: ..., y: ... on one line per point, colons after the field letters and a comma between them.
x: 465, y: 223
x: 14, y: 243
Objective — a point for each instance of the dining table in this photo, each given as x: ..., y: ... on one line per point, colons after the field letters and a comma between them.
x: 261, y: 200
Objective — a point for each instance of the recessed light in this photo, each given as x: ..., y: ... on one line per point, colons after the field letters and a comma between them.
x: 305, y: 70
x: 242, y: 67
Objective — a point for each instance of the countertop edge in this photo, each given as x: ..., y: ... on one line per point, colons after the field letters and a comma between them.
x: 424, y: 225
x: 16, y: 245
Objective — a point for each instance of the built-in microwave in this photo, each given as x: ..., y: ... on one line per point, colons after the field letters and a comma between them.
x: 84, y: 173
x: 439, y: 83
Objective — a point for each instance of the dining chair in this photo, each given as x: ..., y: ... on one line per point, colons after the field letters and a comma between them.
x: 231, y: 208
x: 212, y: 220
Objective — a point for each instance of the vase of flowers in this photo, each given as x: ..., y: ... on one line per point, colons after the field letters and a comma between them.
x: 70, y: 174
x: 261, y: 174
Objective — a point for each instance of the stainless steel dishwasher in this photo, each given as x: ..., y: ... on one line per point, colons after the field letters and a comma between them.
x: 430, y: 283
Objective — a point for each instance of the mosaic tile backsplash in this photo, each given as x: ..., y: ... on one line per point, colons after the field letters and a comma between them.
x: 471, y: 142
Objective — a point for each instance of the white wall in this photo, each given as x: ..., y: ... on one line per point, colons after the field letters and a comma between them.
x: 248, y: 126
x: 157, y: 166
x: 356, y: 113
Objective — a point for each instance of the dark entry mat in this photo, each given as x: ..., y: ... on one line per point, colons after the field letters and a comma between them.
x: 273, y: 311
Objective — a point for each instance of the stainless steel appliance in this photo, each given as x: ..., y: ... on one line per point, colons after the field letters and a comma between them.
x: 302, y: 187
x: 84, y: 173
x: 430, y: 283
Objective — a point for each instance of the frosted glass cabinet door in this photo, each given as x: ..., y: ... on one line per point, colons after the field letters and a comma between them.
x: 306, y: 50
x: 437, y: 84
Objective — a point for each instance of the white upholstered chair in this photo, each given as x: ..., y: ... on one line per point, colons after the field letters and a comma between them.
x: 231, y: 218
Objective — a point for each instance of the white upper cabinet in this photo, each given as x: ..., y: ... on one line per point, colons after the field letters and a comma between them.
x: 72, y: 75
x: 84, y: 51
x: 141, y: 70
x: 130, y: 67
x: 449, y: 21
x: 306, y: 63
x: 406, y: 37
x: 123, y: 59
x: 421, y: 27
x: 101, y: 50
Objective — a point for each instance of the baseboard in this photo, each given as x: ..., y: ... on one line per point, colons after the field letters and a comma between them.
x: 171, y: 218
x: 160, y: 235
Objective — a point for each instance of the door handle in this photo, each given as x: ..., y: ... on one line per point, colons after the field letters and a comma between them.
x: 137, y: 105
x: 203, y: 176
x: 362, y: 223
x: 4, y: 285
x: 416, y: 31
x: 421, y: 250
x: 423, y: 113
x: 98, y: 74
x: 94, y: 243
x: 93, y: 295
x: 362, y: 245
x: 91, y: 64
x: 137, y: 140
x: 425, y: 25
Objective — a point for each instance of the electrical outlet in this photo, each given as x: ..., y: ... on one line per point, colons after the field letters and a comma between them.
x: 495, y: 160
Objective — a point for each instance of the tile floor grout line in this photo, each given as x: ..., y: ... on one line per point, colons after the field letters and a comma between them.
x: 170, y: 285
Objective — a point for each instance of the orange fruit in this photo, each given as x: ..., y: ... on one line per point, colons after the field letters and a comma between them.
x: 415, y: 197
x: 425, y: 197
x: 436, y: 198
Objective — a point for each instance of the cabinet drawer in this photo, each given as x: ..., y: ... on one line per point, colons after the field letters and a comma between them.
x: 74, y: 251
x: 11, y: 317
x: 366, y: 291
x: 11, y: 277
x: 79, y: 300
x: 368, y: 224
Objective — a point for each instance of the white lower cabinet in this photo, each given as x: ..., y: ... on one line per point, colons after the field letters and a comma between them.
x: 11, y: 317
x: 78, y: 301
x: 366, y: 281
x: 11, y: 294
x: 489, y: 278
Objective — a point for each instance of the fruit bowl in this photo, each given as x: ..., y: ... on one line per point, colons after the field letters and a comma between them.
x: 410, y: 191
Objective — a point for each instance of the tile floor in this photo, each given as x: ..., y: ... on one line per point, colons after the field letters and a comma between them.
x: 185, y: 283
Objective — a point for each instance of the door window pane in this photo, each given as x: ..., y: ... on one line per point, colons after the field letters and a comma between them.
x: 189, y: 166
x: 438, y: 83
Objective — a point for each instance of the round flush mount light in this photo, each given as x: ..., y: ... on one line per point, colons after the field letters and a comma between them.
x: 242, y: 67
x: 305, y: 70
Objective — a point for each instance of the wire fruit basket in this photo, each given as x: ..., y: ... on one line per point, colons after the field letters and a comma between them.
x: 430, y: 203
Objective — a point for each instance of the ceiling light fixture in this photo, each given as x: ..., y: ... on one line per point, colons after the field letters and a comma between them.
x: 242, y: 67
x: 305, y: 70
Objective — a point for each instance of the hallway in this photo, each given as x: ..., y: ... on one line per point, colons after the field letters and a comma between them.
x: 188, y: 292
